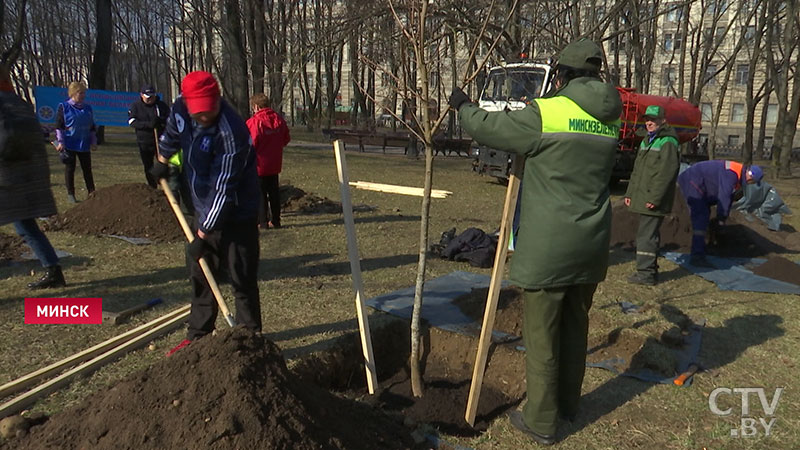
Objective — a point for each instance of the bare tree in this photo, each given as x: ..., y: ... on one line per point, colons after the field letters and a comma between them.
x: 784, y: 64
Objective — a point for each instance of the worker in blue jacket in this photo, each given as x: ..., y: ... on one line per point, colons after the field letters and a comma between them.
x: 219, y: 164
x: 710, y: 183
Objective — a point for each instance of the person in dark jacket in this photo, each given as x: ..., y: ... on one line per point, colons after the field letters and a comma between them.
x: 651, y: 190
x: 25, y: 180
x: 220, y: 166
x: 147, y: 116
x: 75, y: 137
x: 569, y: 140
x: 709, y: 183
x: 270, y: 134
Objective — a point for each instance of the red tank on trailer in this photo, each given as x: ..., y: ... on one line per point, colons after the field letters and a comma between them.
x: 683, y: 116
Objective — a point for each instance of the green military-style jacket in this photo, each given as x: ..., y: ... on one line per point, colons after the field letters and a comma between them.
x: 569, y: 142
x: 654, y: 173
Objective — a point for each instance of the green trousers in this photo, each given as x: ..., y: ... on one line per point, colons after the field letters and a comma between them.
x: 556, y: 326
x: 648, y: 239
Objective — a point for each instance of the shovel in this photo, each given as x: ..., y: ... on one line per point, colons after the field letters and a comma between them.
x: 223, y: 308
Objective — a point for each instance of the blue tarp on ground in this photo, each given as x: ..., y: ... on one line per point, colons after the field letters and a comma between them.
x: 438, y: 308
x: 731, y: 274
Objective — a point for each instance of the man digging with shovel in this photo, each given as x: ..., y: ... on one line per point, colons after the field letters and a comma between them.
x: 220, y: 168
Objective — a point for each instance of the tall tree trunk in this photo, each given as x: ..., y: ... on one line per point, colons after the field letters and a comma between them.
x: 102, y: 53
x: 237, y: 86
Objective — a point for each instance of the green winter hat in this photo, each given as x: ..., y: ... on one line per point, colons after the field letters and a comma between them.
x: 582, y: 54
x: 654, y: 112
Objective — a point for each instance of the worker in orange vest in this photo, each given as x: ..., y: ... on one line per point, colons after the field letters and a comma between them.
x: 710, y: 183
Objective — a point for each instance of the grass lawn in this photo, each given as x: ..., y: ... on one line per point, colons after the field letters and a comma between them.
x: 750, y: 340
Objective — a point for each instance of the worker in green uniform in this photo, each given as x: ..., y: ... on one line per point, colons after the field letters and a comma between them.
x: 569, y: 139
x: 651, y: 190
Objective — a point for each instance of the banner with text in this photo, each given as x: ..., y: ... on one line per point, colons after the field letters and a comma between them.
x: 110, y: 107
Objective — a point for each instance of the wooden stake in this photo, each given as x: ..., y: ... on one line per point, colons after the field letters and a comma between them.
x: 33, y: 377
x: 18, y: 404
x: 394, y: 189
x: 355, y: 266
x: 212, y: 283
x: 494, y: 288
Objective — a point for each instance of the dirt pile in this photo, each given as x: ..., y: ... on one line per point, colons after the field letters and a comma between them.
x: 132, y: 210
x: 230, y: 391
x: 298, y: 201
x: 779, y: 268
x: 739, y: 237
x: 11, y: 247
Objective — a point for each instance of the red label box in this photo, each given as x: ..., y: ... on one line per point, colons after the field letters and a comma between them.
x: 63, y: 310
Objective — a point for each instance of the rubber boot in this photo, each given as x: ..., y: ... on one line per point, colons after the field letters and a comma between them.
x: 71, y: 198
x: 53, y: 277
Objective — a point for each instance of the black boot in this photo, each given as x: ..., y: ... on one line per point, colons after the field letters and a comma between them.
x: 53, y: 277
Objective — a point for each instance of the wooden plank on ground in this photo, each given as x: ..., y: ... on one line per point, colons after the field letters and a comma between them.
x: 32, y: 378
x: 23, y: 401
x: 395, y: 189
x: 355, y: 267
x: 494, y: 289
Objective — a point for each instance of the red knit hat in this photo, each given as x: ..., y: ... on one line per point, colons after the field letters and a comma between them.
x: 200, y: 91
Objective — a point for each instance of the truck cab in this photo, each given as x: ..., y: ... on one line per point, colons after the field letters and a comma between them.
x: 509, y: 87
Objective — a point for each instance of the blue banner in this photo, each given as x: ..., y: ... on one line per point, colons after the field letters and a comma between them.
x: 109, y: 107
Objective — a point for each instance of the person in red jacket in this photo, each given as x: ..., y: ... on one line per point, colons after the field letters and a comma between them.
x: 270, y: 134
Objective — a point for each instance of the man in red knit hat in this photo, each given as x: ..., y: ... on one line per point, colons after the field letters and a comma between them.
x: 220, y: 167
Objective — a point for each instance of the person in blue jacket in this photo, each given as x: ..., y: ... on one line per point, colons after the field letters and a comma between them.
x: 219, y: 164
x: 709, y: 183
x: 75, y: 137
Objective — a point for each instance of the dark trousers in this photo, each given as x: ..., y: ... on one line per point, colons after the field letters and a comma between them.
x: 270, y: 191
x: 648, y: 239
x: 148, y: 153
x: 556, y: 329
x: 700, y: 214
x: 236, y: 248
x: 86, y: 167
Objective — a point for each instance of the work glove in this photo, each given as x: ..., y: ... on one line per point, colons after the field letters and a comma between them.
x: 197, y: 248
x: 159, y: 170
x: 458, y: 98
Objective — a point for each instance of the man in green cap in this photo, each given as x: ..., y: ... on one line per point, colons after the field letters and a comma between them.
x: 569, y: 140
x: 651, y: 190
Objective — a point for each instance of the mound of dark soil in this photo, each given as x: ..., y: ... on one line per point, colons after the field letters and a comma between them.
x: 132, y: 210
x: 779, y: 268
x: 740, y: 237
x: 230, y: 391
x: 11, y: 247
x: 298, y: 201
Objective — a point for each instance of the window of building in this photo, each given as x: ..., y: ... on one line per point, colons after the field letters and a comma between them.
x: 674, y: 12
x: 737, y: 112
x: 733, y: 139
x: 768, y: 142
x: 742, y: 74
x: 711, y: 73
x: 617, y: 43
x: 717, y: 7
x: 749, y: 33
x: 668, y: 42
x: 668, y: 78
x: 772, y: 113
x: 705, y: 112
